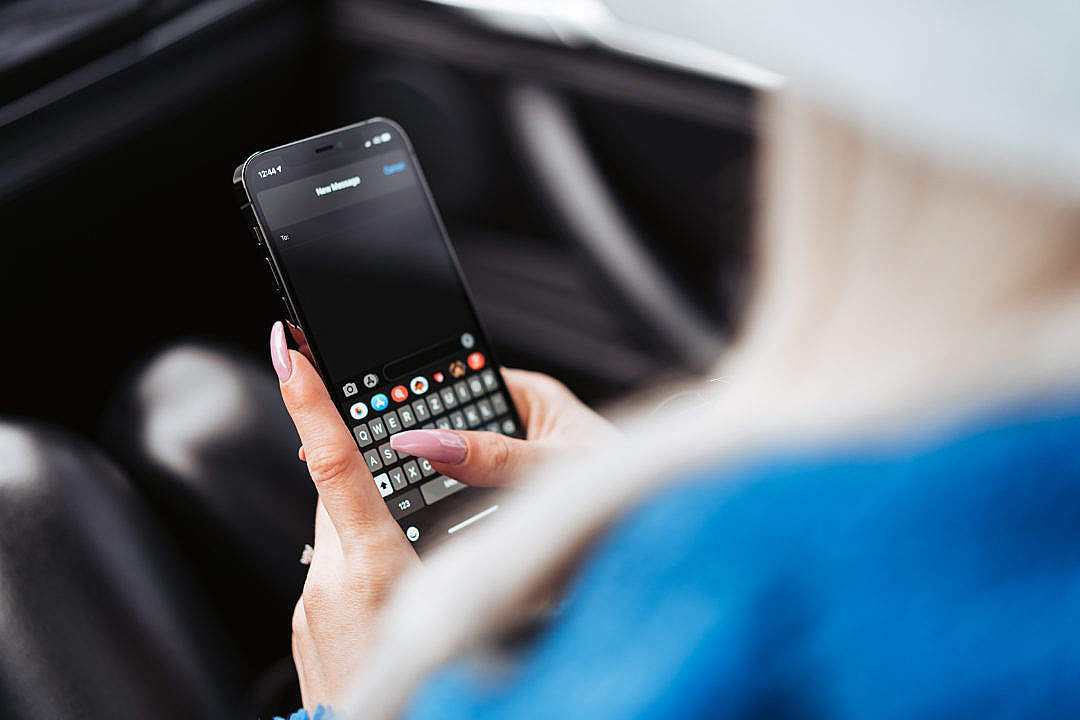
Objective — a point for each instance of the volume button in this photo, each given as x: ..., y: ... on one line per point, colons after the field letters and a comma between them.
x: 257, y: 235
x: 273, y: 275
x: 288, y: 310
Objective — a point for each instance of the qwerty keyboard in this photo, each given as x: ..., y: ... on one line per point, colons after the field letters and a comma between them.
x: 409, y: 483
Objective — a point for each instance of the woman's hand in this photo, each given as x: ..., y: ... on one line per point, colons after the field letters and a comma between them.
x: 555, y: 422
x: 360, y: 551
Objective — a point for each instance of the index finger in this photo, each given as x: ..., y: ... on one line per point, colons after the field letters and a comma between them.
x: 337, y: 468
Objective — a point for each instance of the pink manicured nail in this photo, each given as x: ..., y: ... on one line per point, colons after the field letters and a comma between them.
x: 279, y: 352
x: 438, y: 445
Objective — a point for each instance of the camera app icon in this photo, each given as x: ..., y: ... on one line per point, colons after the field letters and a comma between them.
x: 349, y: 389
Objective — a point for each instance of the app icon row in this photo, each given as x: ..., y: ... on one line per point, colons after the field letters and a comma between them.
x: 399, y: 393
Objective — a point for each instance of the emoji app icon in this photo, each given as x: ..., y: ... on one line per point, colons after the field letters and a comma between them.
x: 418, y: 385
x: 358, y: 411
x: 476, y: 361
x: 457, y: 369
x: 379, y: 402
x: 399, y: 393
x: 438, y: 377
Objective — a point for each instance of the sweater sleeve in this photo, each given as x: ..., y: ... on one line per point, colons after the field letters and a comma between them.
x: 320, y: 713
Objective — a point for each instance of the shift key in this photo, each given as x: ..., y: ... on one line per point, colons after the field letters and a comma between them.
x: 439, y: 487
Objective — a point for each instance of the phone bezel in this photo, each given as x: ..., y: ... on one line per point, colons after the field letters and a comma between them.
x: 287, y: 295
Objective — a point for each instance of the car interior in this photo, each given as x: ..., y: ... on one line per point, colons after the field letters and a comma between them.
x: 596, y: 187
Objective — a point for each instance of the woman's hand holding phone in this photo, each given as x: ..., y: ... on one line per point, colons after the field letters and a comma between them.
x: 360, y: 550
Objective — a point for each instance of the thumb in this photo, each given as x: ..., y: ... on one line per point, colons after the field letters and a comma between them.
x: 472, y: 457
x: 346, y: 488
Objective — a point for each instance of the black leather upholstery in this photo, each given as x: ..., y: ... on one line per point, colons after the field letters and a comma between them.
x: 204, y: 433
x: 97, y: 618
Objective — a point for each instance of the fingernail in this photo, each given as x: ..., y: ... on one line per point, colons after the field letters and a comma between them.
x: 438, y: 445
x: 279, y: 352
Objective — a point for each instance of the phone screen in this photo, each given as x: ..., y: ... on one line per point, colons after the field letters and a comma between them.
x: 365, y: 265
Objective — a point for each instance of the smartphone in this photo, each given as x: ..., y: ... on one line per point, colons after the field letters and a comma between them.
x: 375, y: 297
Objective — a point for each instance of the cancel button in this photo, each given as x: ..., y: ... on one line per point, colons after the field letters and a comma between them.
x: 439, y: 487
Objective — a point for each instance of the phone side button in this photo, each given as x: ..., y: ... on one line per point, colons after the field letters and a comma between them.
x: 258, y: 236
x: 405, y: 504
x: 288, y: 310
x: 273, y: 275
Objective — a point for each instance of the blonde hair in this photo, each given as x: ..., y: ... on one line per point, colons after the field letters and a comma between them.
x: 893, y: 295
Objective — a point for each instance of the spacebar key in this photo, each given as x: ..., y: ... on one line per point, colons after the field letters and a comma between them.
x: 439, y: 487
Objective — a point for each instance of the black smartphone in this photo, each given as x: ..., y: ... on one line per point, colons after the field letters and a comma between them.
x: 370, y: 285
